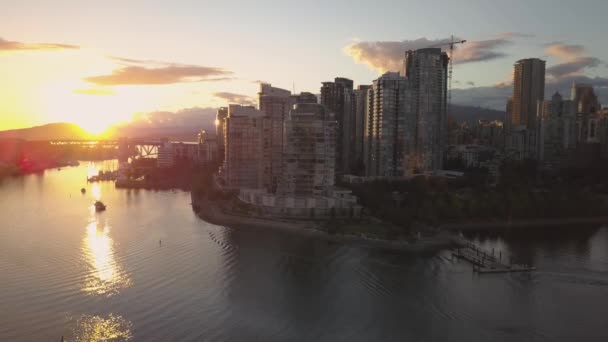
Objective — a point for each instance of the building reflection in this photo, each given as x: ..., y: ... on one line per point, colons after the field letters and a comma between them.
x: 104, y: 275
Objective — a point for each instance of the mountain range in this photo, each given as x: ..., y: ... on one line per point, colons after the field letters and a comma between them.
x: 60, y: 131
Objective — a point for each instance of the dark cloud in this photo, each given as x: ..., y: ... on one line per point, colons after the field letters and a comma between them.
x: 182, y: 124
x: 190, y: 117
x: 471, y: 83
x: 560, y: 77
x: 495, y: 97
x: 6, y: 45
x: 235, y: 98
x: 388, y: 55
x: 574, y: 66
x: 167, y: 74
x: 572, y: 60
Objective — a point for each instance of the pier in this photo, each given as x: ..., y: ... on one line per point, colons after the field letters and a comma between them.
x: 484, y: 262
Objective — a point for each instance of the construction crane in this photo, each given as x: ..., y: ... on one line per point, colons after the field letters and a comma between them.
x: 451, y: 44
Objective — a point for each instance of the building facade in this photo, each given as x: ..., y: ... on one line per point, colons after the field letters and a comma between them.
x: 338, y: 97
x: 275, y: 103
x: 426, y: 71
x: 309, y: 153
x: 522, y: 109
x: 220, y: 127
x: 248, y: 149
x: 558, y: 133
x: 389, y: 130
x: 361, y: 112
x: 207, y: 148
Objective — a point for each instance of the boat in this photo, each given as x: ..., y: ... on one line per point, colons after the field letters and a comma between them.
x: 83, y: 190
x: 99, y: 206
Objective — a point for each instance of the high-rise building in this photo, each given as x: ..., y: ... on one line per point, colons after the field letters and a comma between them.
x: 427, y: 72
x: 390, y: 126
x: 338, y: 97
x: 220, y: 127
x: 557, y: 137
x: 361, y: 111
x: 304, y: 97
x: 522, y: 135
x: 584, y: 98
x: 275, y: 103
x: 309, y: 151
x: 247, y: 141
x: 528, y: 89
x: 587, y: 107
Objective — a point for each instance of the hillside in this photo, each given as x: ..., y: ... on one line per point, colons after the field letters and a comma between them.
x: 471, y: 114
x: 46, y: 132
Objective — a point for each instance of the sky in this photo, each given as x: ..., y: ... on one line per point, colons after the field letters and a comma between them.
x: 98, y: 63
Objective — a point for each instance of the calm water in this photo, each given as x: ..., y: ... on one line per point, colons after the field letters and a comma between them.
x: 66, y: 270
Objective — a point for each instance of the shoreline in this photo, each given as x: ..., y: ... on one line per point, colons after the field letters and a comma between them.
x: 534, y: 223
x: 212, y: 213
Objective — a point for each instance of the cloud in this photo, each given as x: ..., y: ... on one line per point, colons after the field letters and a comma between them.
x: 235, y: 98
x: 6, y: 45
x: 175, y: 73
x: 388, y: 55
x: 479, y: 51
x: 471, y: 83
x: 94, y: 91
x: 183, y: 123
x: 573, y: 61
x: 495, y: 97
x: 564, y: 51
x: 511, y: 35
x: 151, y: 72
x: 575, y: 66
x: 560, y: 77
x: 195, y: 118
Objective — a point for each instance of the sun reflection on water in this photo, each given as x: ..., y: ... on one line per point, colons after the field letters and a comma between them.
x: 96, y: 328
x: 96, y: 191
x: 105, y: 276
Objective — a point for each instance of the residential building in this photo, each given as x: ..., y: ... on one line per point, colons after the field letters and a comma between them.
x: 165, y: 154
x: 309, y: 152
x: 390, y: 131
x: 304, y: 97
x: 522, y: 119
x: 248, y: 148
x: 558, y: 133
x: 490, y: 133
x: 220, y: 127
x: 338, y: 97
x: 361, y: 111
x: 528, y: 89
x: 207, y: 148
x: 426, y: 71
x: 275, y: 103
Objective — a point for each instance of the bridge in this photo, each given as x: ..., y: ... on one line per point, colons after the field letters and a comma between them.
x: 135, y: 148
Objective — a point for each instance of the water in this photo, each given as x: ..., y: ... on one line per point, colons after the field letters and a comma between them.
x: 66, y: 270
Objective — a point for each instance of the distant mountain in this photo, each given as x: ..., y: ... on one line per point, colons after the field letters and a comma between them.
x: 173, y: 133
x: 47, y: 132
x: 471, y: 114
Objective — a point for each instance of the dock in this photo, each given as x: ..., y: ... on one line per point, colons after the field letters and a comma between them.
x: 484, y: 262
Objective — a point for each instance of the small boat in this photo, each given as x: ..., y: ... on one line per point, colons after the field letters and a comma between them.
x: 83, y: 190
x: 99, y: 206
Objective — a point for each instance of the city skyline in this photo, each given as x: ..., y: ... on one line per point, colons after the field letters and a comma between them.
x: 93, y: 74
